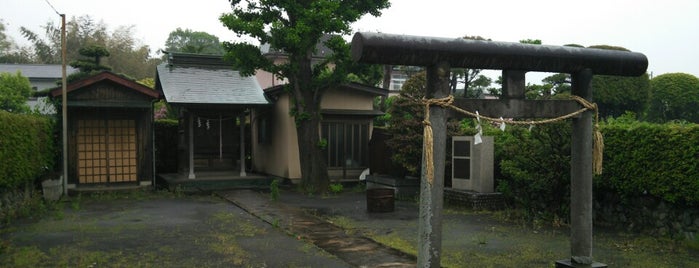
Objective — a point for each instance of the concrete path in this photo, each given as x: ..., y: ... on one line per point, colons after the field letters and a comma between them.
x: 353, y: 249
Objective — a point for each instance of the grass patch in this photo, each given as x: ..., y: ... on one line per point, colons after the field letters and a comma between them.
x: 350, y: 226
x: 396, y: 241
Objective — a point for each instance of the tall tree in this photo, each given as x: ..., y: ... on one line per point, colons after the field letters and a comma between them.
x: 10, y: 52
x: 615, y: 95
x: 296, y: 27
x: 190, y: 41
x: 5, y: 41
x: 129, y: 56
x: 675, y: 96
x: 472, y: 79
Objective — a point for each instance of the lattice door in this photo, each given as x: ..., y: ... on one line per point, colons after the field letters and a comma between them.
x: 106, y: 151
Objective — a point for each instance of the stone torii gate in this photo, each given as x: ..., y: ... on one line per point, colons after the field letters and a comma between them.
x: 438, y: 55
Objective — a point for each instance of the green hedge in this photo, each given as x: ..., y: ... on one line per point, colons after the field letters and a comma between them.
x: 26, y: 148
x: 661, y: 160
x: 640, y: 160
x: 533, y: 168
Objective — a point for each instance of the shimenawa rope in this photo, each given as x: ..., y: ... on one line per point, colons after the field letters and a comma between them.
x: 446, y: 102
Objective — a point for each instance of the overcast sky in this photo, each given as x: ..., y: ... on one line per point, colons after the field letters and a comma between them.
x: 667, y: 32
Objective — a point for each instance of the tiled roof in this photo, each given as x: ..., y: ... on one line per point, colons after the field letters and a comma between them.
x: 197, y: 84
x: 106, y: 76
x: 36, y: 70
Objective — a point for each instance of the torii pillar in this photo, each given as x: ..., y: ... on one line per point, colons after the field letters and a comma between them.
x: 438, y: 55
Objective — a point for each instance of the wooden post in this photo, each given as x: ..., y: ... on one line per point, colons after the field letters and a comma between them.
x: 64, y: 104
x: 431, y: 192
x: 241, y: 118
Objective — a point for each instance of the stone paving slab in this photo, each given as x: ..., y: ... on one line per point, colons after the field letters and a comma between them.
x: 353, y: 249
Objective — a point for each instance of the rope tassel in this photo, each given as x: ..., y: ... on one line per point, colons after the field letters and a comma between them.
x: 428, y: 140
x: 597, y: 150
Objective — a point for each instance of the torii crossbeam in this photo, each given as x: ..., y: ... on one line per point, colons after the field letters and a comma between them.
x: 439, y: 55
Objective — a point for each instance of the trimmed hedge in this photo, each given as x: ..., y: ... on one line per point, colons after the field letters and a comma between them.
x: 641, y: 160
x: 26, y: 148
x: 661, y: 160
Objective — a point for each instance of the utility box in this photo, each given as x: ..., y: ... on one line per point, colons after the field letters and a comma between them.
x: 472, y: 164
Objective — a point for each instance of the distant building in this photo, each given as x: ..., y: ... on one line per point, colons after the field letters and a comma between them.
x: 41, y: 77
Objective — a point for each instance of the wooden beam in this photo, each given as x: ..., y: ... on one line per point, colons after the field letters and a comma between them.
x: 514, y: 108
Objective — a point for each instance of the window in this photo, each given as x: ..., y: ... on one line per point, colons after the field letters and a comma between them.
x: 461, y: 158
x: 347, y: 143
x: 264, y: 126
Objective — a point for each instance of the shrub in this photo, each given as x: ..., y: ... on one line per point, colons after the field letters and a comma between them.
x: 674, y: 96
x: 534, y: 168
x: 26, y: 148
x: 640, y: 160
x: 14, y: 92
x: 651, y: 159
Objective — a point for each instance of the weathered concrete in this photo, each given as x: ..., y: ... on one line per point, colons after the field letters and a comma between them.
x: 581, y: 175
x: 356, y: 250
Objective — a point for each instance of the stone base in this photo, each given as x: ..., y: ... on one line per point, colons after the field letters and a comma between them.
x: 569, y: 264
x: 474, y: 200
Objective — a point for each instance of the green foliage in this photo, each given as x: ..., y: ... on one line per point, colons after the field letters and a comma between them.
x: 14, y: 92
x: 90, y: 63
x: 405, y: 125
x: 675, y: 96
x: 127, y: 55
x: 535, y: 168
x: 336, y: 188
x: 531, y: 41
x: 9, y: 51
x: 196, y: 42
x: 615, y: 95
x: 642, y: 158
x: 26, y: 148
x: 316, y: 57
x: 274, y: 190
x: 383, y: 106
x: 406, y: 128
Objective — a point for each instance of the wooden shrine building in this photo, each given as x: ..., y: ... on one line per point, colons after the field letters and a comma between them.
x: 110, y: 131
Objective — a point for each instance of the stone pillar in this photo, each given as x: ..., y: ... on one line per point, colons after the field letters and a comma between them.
x: 513, y: 84
x: 431, y: 192
x: 190, y: 144
x: 581, y: 180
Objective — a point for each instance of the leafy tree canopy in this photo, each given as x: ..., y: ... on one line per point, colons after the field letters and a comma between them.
x: 15, y: 89
x: 189, y: 41
x: 90, y: 63
x: 675, y: 96
x: 616, y: 95
x: 296, y: 28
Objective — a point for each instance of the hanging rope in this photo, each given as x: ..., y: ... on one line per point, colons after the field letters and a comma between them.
x: 428, y: 140
x: 446, y: 102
